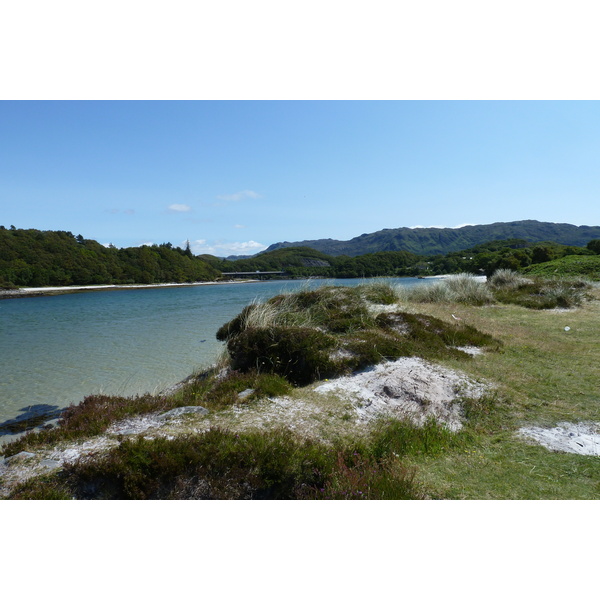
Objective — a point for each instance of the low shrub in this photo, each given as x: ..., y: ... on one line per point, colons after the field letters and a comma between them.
x: 277, y: 464
x: 362, y: 477
x: 433, y: 335
x: 226, y: 391
x: 300, y: 354
x: 343, y: 337
x: 91, y: 417
x: 214, y: 465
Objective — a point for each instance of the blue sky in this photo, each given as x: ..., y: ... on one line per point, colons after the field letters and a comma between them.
x: 236, y: 176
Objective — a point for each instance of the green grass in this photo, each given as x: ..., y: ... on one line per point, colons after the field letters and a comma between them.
x: 544, y: 375
x: 508, y: 469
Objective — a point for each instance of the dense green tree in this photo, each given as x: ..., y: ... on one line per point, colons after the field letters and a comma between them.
x: 594, y: 246
x: 40, y: 258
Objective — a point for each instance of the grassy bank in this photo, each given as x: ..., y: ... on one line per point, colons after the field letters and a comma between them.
x: 271, y: 433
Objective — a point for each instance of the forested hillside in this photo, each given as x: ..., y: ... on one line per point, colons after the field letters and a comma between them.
x: 29, y: 257
x: 432, y: 240
x: 483, y: 259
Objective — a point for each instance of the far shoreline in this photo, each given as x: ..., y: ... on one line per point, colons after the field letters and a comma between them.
x: 31, y: 292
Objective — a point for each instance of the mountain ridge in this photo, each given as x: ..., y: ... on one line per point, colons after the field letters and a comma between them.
x: 438, y: 240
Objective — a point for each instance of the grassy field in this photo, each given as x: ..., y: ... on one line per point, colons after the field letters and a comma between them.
x: 270, y: 434
x: 545, y: 375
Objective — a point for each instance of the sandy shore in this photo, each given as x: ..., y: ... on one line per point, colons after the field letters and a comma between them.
x: 71, y: 289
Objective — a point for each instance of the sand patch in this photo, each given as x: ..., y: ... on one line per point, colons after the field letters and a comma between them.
x: 575, y: 438
x: 25, y: 465
x: 407, y: 388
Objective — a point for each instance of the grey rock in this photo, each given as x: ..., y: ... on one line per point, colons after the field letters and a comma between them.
x: 245, y: 393
x: 183, y: 410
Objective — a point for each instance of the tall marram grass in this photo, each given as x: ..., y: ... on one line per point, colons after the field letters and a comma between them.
x: 505, y: 278
x: 462, y: 288
x: 511, y: 288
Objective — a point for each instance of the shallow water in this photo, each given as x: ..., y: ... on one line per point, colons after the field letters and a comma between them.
x: 55, y: 350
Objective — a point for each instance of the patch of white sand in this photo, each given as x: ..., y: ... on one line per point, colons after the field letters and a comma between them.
x: 576, y: 438
x: 408, y: 387
x: 472, y: 350
x: 13, y: 472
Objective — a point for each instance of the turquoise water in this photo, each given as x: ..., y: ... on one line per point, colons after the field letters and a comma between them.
x: 55, y: 350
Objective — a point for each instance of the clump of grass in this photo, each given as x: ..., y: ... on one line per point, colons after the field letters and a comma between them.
x: 330, y: 308
x: 488, y: 413
x: 462, y: 289
x: 428, y: 330
x: 402, y: 438
x: 379, y: 292
x: 545, y: 294
x: 509, y: 287
x: 435, y: 293
x: 563, y: 295
x: 506, y: 278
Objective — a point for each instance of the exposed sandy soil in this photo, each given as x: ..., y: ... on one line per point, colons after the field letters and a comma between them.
x: 576, y: 438
x: 410, y: 388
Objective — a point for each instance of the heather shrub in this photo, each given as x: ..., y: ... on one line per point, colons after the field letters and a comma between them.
x: 298, y: 353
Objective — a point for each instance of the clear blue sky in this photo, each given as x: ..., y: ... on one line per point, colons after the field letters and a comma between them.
x: 236, y: 176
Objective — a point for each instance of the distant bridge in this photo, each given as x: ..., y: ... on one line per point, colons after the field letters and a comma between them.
x: 252, y: 274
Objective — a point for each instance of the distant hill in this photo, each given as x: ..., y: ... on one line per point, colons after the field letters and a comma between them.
x: 432, y: 241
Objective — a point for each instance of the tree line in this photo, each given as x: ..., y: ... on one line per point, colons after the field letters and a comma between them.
x: 29, y: 257
x: 482, y: 259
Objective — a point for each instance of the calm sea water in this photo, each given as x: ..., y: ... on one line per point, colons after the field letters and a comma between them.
x: 55, y: 350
